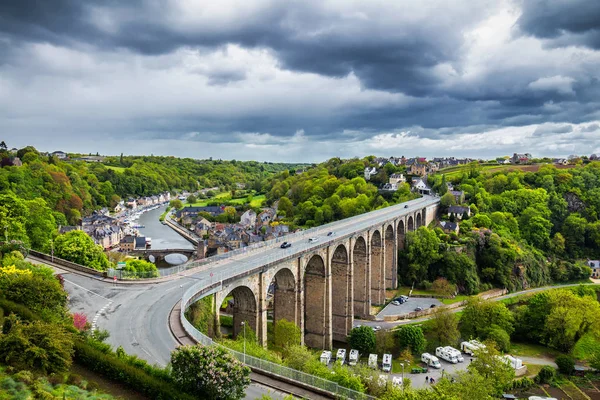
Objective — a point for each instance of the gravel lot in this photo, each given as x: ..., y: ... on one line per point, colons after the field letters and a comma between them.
x: 409, y: 306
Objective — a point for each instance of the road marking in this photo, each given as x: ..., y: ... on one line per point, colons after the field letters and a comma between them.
x: 87, y: 290
x: 95, y: 320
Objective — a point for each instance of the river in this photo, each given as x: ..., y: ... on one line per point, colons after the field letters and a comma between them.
x: 162, y: 236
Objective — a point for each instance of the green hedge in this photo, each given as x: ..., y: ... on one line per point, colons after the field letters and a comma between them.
x: 112, y: 367
x: 18, y: 309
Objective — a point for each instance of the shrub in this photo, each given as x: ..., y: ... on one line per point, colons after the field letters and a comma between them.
x: 109, y: 366
x: 24, y: 376
x: 75, y: 379
x: 36, y: 345
x: 546, y: 375
x: 286, y: 334
x: 565, y: 364
x: 209, y: 372
x: 523, y: 383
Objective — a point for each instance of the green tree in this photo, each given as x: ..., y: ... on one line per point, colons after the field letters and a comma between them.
x: 362, y: 339
x: 191, y: 199
x: 78, y: 247
x: 443, y: 328
x: 209, y: 372
x: 286, y: 206
x: 478, y: 315
x: 499, y: 337
x: 286, y: 334
x: 493, y: 368
x: 447, y: 200
x: 37, y: 345
x: 412, y: 337
x: 442, y: 287
x: 595, y: 361
x: 176, y: 204
x: 422, y: 249
x: 40, y: 224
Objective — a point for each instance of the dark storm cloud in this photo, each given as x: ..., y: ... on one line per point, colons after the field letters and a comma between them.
x: 566, y: 22
x: 391, y: 58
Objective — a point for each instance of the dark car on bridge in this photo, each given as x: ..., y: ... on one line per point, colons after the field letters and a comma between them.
x: 285, y: 245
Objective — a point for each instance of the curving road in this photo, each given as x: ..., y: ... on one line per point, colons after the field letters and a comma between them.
x: 136, y: 315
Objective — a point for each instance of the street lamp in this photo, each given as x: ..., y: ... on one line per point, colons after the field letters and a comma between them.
x: 244, y: 327
x: 52, y: 249
x: 402, y: 377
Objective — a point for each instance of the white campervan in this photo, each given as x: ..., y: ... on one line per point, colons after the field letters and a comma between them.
x: 431, y: 361
x: 354, y: 356
x: 456, y: 352
x: 372, y: 361
x: 514, y: 362
x: 397, y: 382
x: 445, y: 354
x: 471, y: 346
x: 386, y: 365
x: 326, y: 357
x: 341, y: 356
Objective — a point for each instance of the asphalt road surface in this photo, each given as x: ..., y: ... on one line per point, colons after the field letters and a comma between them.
x: 137, y: 317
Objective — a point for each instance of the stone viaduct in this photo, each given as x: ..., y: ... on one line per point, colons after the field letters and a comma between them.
x: 323, y: 288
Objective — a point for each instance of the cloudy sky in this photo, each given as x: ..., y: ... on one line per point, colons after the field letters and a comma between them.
x: 301, y: 80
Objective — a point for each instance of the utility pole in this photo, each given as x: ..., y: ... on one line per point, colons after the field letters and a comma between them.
x: 52, y: 249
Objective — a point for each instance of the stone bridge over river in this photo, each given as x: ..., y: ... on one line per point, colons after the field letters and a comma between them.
x: 319, y: 285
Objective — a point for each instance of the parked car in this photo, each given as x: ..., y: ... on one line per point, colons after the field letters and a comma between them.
x: 432, y: 306
x: 376, y: 328
x: 285, y: 245
x: 395, y: 303
x: 419, y: 309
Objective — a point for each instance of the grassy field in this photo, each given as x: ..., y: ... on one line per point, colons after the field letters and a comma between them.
x: 586, y: 347
x: 256, y: 202
x: 532, y: 350
x: 533, y: 369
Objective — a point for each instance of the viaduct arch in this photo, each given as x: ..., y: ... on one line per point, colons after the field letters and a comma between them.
x: 324, y: 288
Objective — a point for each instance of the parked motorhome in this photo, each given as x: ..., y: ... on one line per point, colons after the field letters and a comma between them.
x: 431, y: 361
x: 397, y: 382
x: 386, y: 365
x: 514, y: 362
x: 353, y: 357
x: 445, y: 354
x: 471, y: 347
x: 341, y: 356
x: 326, y: 357
x: 372, y: 361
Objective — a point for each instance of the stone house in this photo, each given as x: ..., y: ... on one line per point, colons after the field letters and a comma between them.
x: 449, y: 227
x: 459, y: 196
x: 397, y: 179
x: 595, y: 266
x: 127, y: 243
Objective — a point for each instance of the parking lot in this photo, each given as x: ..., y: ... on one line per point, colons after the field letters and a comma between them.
x: 409, y: 306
